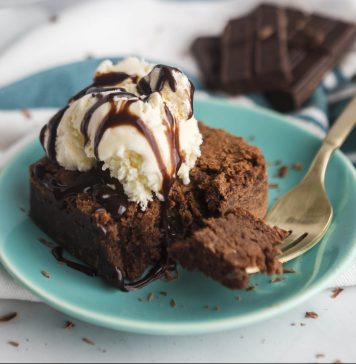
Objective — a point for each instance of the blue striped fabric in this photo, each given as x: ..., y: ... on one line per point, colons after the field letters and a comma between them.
x: 321, y: 110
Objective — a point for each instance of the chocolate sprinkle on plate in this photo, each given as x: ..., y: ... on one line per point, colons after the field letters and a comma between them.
x: 69, y: 325
x: 173, y: 304
x: 217, y: 308
x: 13, y: 344
x: 9, y: 317
x: 336, y: 291
x: 26, y: 113
x: 250, y: 288
x: 54, y: 18
x: 150, y: 297
x: 46, y: 242
x: 273, y: 185
x: 311, y: 314
x: 45, y: 274
x: 289, y: 271
x: 282, y: 172
x: 319, y: 355
x: 297, y: 166
x: 163, y: 293
x: 88, y: 341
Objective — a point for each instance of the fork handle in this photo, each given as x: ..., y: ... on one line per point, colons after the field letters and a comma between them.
x: 334, y: 139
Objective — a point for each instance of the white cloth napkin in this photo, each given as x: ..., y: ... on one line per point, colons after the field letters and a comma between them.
x: 155, y: 29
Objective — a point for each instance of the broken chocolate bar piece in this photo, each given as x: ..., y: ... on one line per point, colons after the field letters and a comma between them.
x: 254, y: 53
x: 315, y: 48
x: 207, y: 53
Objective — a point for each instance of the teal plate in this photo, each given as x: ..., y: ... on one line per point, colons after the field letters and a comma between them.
x: 201, y: 305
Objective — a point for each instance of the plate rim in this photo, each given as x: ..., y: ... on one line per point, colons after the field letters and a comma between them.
x: 180, y: 328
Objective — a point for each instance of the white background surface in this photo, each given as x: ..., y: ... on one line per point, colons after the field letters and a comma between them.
x: 98, y: 29
x: 332, y: 334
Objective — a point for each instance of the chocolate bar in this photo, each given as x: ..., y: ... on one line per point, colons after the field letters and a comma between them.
x: 207, y: 53
x: 283, y: 52
x: 315, y: 48
x: 254, y: 53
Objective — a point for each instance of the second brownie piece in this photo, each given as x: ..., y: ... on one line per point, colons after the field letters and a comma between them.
x: 228, y: 245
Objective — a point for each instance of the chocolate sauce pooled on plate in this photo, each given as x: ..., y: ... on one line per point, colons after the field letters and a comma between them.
x: 58, y: 254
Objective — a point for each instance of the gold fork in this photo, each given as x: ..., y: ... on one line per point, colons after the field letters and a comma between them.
x: 305, y: 210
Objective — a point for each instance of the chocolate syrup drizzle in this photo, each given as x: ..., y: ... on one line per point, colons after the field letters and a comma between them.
x: 115, y: 201
x: 58, y: 254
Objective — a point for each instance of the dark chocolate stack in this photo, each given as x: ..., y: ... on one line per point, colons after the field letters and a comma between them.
x: 281, y: 52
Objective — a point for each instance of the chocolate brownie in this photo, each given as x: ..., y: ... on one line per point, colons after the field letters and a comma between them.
x: 89, y: 215
x: 227, y: 245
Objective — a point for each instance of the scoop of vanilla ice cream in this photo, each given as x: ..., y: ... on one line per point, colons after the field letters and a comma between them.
x: 128, y: 154
x: 138, y: 153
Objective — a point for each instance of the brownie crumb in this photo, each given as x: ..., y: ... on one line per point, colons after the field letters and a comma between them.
x: 337, y: 361
x: 150, y: 297
x: 293, y: 324
x: 277, y: 279
x: 217, y: 308
x: 282, y: 172
x: 289, y: 271
x: 311, y: 314
x: 88, y: 341
x: 14, y: 344
x: 320, y: 355
x: 273, y: 185
x: 336, y: 291
x: 46, y: 242
x: 297, y: 166
x: 69, y: 325
x: 8, y: 317
x: 163, y: 293
x: 173, y: 304
x: 26, y: 113
x: 45, y: 274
